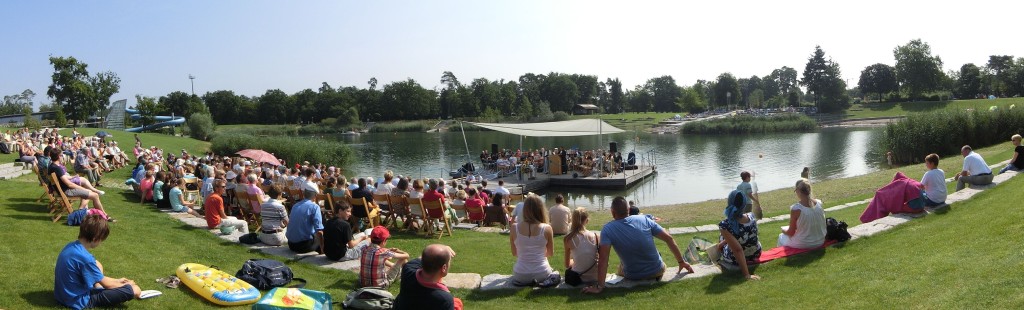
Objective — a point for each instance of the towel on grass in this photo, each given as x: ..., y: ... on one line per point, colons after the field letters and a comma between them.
x: 784, y: 251
x: 893, y: 198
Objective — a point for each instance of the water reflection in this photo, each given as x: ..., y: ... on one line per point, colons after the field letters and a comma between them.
x: 691, y: 168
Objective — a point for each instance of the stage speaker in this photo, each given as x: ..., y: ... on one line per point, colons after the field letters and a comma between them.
x: 494, y: 148
x: 613, y: 147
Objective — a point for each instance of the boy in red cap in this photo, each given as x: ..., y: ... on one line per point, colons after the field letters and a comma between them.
x: 380, y: 266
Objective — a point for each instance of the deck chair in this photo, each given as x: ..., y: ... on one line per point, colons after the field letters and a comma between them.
x: 460, y: 212
x: 245, y: 209
x: 52, y: 203
x: 415, y: 206
x: 436, y: 205
x: 191, y: 190
x: 388, y: 214
x: 326, y: 203
x: 242, y: 201
x: 372, y: 214
x: 63, y: 206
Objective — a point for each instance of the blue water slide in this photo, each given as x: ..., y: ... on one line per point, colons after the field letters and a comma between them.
x: 162, y: 121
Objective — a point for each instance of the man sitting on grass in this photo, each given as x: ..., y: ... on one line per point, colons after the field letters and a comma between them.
x: 339, y: 243
x: 631, y: 237
x: 376, y: 266
x: 421, y: 281
x: 976, y: 171
x: 78, y: 280
x: 305, y: 224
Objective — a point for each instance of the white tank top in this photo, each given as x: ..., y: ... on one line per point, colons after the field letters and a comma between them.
x: 584, y: 253
x: 530, y: 252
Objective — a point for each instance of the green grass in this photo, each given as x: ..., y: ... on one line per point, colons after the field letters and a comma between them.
x: 951, y: 260
x: 404, y: 126
x: 871, y: 110
x: 751, y: 124
x: 632, y: 121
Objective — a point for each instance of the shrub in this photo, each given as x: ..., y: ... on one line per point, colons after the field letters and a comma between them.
x: 745, y: 124
x: 560, y: 116
x: 945, y: 132
x: 291, y: 149
x: 200, y: 126
x: 403, y: 126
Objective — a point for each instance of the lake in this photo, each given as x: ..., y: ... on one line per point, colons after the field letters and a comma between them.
x: 690, y: 168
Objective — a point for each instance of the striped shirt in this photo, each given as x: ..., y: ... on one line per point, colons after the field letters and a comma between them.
x: 372, y: 268
x: 272, y: 212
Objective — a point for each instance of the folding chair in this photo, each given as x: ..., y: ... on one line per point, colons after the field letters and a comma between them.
x: 460, y: 212
x: 326, y: 204
x: 436, y: 205
x: 63, y: 206
x: 415, y: 206
x: 372, y: 214
x: 191, y: 190
x: 388, y: 213
x: 245, y: 209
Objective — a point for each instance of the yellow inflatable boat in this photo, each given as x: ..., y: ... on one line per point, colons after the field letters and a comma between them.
x: 217, y: 286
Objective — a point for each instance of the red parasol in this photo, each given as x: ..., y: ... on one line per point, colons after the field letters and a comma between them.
x: 260, y: 156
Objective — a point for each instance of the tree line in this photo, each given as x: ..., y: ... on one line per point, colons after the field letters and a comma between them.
x: 917, y: 75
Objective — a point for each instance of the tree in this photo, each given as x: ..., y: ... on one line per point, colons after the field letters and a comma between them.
x: 692, y: 101
x: 968, y: 83
x: 274, y: 106
x: 916, y: 69
x: 17, y: 103
x: 148, y: 109
x: 226, y: 107
x: 104, y: 85
x: 416, y: 101
x: 727, y: 90
x: 617, y: 99
x: 560, y: 91
x: 200, y: 126
x: 878, y: 78
x: 998, y: 67
x: 176, y: 103
x: 71, y: 89
x: 823, y: 78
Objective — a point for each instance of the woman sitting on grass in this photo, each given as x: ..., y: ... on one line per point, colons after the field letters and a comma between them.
x: 806, y: 228
x: 738, y: 231
x: 146, y: 186
x: 532, y: 244
x: 177, y: 198
x: 158, y: 188
x: 581, y: 248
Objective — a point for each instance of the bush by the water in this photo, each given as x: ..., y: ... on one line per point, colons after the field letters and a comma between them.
x: 291, y: 149
x: 744, y: 124
x: 945, y: 132
x: 200, y: 126
x: 403, y: 126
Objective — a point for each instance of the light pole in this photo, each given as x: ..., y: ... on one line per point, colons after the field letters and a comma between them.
x: 815, y: 99
x: 728, y: 101
x: 192, y: 80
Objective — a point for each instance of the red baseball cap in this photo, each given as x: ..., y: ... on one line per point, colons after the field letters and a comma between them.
x: 379, y: 234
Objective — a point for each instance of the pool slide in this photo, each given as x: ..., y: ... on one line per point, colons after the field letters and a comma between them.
x: 162, y: 121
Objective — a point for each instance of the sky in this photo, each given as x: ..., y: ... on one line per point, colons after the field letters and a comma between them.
x: 252, y: 46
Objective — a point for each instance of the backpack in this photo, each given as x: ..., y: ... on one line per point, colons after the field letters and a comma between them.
x: 836, y: 230
x: 369, y: 298
x: 265, y: 274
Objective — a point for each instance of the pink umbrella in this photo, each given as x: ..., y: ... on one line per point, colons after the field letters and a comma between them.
x: 260, y: 156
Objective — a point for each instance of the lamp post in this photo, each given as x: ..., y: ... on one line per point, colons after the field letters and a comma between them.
x: 728, y: 101
x: 191, y: 80
x: 815, y: 99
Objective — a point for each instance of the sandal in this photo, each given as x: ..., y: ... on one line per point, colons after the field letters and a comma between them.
x: 111, y: 219
x: 170, y: 282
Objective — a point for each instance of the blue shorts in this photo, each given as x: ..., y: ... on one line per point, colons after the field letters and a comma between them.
x: 110, y: 297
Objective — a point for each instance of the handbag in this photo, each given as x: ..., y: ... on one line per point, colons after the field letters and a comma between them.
x: 265, y: 274
x: 836, y: 230
x: 281, y: 298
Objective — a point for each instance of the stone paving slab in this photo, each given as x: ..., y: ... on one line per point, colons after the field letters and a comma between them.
x: 867, y: 230
x: 892, y: 220
x: 283, y: 251
x: 466, y: 226
x: 322, y: 261
x: 707, y: 228
x: 682, y: 230
x: 462, y: 280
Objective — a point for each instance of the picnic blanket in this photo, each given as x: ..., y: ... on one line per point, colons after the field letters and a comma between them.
x: 784, y: 251
x: 893, y: 198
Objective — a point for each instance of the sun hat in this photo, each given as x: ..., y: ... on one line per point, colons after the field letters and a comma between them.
x: 379, y: 234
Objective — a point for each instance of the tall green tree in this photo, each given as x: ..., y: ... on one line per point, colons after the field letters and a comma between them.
x: 415, y: 101
x: 617, y: 99
x: 665, y: 94
x: 968, y: 83
x: 104, y: 85
x: 71, y: 88
x: 560, y: 91
x: 274, y: 106
x: 727, y: 90
x: 878, y: 78
x: 999, y: 67
x: 148, y: 109
x: 17, y: 103
x: 916, y: 69
x: 823, y: 78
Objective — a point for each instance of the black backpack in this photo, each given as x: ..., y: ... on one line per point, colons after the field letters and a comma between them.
x: 836, y: 230
x: 266, y: 274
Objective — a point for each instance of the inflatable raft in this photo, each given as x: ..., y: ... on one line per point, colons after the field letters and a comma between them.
x: 217, y: 286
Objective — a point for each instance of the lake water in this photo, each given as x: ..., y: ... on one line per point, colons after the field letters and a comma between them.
x: 690, y: 168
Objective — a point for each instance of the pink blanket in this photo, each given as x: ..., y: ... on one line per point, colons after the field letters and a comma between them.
x: 893, y: 198
x: 783, y: 251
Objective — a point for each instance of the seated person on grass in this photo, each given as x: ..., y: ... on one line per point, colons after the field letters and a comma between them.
x: 631, y: 236
x: 176, y: 198
x: 214, y: 207
x: 305, y: 225
x: 1017, y: 161
x: 274, y: 218
x: 78, y: 280
x: 806, y: 228
x: 738, y: 233
x: 933, y: 182
x: 339, y: 243
x: 976, y: 171
x: 421, y: 281
x: 379, y: 265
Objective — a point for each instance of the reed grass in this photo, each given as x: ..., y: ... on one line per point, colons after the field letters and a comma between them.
x: 747, y: 124
x: 291, y: 149
x: 944, y: 132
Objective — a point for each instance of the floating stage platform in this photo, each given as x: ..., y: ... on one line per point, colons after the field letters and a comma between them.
x: 541, y: 181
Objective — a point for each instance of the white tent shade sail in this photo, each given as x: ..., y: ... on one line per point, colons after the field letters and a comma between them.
x: 578, y: 127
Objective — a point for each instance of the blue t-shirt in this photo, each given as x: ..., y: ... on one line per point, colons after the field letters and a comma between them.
x: 175, y: 199
x: 632, y: 238
x: 304, y: 221
x: 138, y: 173
x: 158, y: 191
x: 74, y: 276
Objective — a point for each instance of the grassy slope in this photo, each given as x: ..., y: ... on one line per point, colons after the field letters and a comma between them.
x: 146, y: 244
x: 632, y: 121
x: 903, y: 108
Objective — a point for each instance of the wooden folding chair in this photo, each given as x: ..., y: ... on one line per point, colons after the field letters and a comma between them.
x: 460, y: 212
x: 372, y: 214
x: 389, y: 215
x: 241, y: 200
x: 326, y: 204
x: 415, y: 206
x: 478, y: 210
x: 245, y: 209
x: 190, y: 194
x: 64, y: 204
x: 436, y: 205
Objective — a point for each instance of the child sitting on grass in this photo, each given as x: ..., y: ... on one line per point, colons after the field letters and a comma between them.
x: 78, y: 280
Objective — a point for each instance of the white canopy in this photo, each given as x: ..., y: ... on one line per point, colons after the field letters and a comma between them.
x: 578, y: 127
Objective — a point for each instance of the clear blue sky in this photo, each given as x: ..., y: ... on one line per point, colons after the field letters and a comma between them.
x: 252, y: 46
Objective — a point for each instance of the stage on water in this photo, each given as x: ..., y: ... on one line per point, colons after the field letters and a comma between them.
x: 540, y: 181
